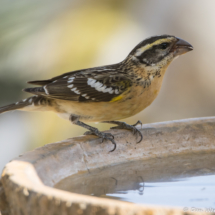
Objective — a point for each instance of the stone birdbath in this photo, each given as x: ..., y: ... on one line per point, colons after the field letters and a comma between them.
x: 48, y: 179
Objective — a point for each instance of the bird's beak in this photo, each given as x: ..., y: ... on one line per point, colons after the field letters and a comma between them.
x: 181, y: 47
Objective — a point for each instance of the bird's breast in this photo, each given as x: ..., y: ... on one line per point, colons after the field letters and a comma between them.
x: 142, y: 96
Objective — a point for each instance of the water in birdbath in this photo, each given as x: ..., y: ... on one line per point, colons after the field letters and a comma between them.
x: 187, y: 181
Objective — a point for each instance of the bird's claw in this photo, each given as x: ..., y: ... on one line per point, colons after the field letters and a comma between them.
x: 134, y: 130
x: 104, y: 136
x: 138, y: 123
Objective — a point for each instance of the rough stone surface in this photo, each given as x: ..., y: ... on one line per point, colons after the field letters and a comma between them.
x: 27, y: 181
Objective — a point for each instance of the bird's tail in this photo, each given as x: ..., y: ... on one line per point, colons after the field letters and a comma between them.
x: 32, y: 104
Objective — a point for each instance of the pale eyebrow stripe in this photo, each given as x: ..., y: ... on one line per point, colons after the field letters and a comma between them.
x: 148, y: 46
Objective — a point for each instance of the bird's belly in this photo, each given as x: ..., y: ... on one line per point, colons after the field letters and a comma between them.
x: 96, y: 111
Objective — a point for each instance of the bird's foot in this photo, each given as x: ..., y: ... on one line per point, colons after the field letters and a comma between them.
x: 104, y: 136
x: 123, y: 125
x: 94, y: 131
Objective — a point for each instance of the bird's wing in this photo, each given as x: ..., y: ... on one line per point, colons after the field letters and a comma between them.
x: 49, y: 81
x: 93, y: 86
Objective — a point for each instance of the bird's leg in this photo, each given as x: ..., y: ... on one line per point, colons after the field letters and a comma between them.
x: 123, y: 125
x: 93, y: 131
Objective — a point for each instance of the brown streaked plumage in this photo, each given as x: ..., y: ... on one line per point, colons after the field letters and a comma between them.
x: 108, y: 93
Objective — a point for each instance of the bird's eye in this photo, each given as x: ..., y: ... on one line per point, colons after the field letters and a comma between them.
x: 164, y: 45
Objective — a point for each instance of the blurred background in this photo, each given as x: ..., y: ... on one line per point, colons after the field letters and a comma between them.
x: 44, y: 38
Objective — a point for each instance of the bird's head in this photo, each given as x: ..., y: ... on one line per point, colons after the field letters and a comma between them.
x: 159, y: 51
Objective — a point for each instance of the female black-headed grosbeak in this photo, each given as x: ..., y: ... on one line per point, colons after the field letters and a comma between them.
x: 107, y: 93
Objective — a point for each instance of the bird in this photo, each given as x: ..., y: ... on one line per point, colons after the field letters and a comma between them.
x: 107, y: 93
